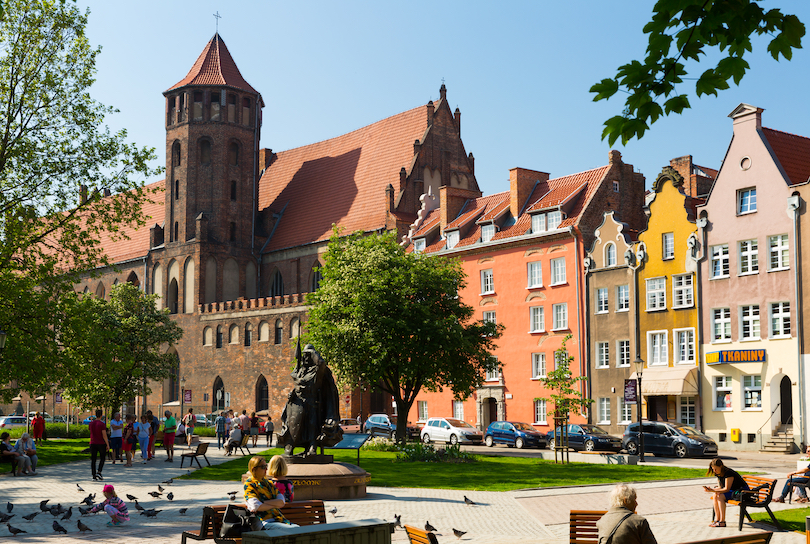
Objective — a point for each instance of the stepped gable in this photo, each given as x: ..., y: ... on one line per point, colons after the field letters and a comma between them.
x: 792, y: 152
x: 215, y: 66
x: 340, y: 181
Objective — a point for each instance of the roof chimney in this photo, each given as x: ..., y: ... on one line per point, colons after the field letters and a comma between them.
x: 430, y: 113
x: 265, y: 158
x: 443, y: 92
x: 521, y: 184
x: 457, y: 116
x: 745, y: 114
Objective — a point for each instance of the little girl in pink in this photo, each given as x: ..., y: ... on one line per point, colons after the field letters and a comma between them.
x: 114, y: 506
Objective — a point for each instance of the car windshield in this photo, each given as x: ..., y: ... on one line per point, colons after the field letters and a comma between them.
x: 522, y: 426
x: 458, y: 423
x: 687, y: 430
x: 593, y: 429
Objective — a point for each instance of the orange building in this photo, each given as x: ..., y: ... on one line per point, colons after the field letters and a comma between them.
x: 523, y: 253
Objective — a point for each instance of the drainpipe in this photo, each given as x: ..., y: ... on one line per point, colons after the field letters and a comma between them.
x: 586, y: 265
x: 698, y: 258
x: 583, y: 369
x: 794, y: 204
x: 255, y: 197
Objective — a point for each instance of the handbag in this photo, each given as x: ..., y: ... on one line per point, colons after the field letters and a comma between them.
x: 238, y: 520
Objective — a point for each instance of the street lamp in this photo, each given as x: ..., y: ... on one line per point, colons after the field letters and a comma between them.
x: 182, y: 394
x: 639, y: 362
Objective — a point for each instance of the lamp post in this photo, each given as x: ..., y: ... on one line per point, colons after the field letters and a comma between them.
x: 182, y: 394
x: 634, y: 262
x: 639, y: 362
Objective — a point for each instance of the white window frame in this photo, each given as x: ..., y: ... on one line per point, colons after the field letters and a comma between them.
x: 534, y: 274
x: 749, y: 385
x: 722, y: 384
x: 540, y: 413
x: 749, y: 257
x: 721, y: 323
x: 668, y: 246
x: 610, y: 254
x: 746, y: 200
x: 602, y: 303
x: 750, y: 322
x: 458, y: 409
x: 656, y: 294
x: 719, y: 262
x: 494, y: 375
x: 622, y: 353
x: 683, y: 293
x: 487, y: 232
x: 559, y: 316
x: 558, y: 271
x: 538, y: 223
x: 422, y: 410
x: 779, y: 250
x: 490, y: 317
x: 419, y: 245
x: 604, y: 410
x: 684, y: 347
x: 602, y: 355
x: 537, y: 319
x: 688, y: 408
x: 553, y: 219
x: 487, y: 282
x: 615, y: 186
x: 538, y: 366
x: 657, y: 348
x: 625, y: 411
x: 453, y: 238
x: 623, y: 298
x: 559, y: 357
x: 779, y: 319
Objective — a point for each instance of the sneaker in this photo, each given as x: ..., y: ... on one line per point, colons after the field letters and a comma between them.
x: 99, y: 476
x: 167, y: 460
x: 113, y: 523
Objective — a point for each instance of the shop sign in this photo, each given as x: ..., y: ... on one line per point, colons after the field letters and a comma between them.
x: 735, y: 356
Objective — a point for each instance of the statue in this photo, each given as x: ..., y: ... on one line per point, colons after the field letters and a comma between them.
x: 312, y: 415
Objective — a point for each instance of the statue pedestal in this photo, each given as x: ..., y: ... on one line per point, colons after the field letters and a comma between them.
x: 329, y: 481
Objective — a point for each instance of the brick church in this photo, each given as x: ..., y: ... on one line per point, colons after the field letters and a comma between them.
x: 234, y: 241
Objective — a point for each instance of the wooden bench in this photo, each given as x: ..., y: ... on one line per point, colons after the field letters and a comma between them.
x: 750, y: 538
x: 243, y: 445
x: 759, y: 496
x: 299, y: 512
x: 201, y: 450
x: 418, y: 536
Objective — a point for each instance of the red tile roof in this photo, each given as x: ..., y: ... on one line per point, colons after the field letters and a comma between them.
x: 121, y: 250
x: 339, y: 181
x: 215, y: 66
x: 793, y: 153
x: 474, y: 208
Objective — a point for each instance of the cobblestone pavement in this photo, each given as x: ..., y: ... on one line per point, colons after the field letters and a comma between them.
x: 678, y: 511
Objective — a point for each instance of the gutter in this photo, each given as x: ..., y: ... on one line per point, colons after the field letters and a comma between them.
x: 794, y: 205
x: 701, y: 224
x: 255, y: 196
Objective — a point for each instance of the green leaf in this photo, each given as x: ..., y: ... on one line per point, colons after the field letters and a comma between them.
x: 604, y: 89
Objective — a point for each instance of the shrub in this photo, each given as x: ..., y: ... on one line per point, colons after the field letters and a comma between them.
x: 426, y: 453
x: 56, y: 430
x: 379, y: 443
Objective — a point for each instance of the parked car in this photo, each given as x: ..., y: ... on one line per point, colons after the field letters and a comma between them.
x: 514, y: 433
x: 586, y: 437
x: 665, y: 438
x: 349, y: 425
x: 447, y: 429
x: 385, y: 425
x: 6, y: 422
x: 45, y: 416
x: 88, y: 419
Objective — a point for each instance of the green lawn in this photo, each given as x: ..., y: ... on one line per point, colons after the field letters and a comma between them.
x: 54, y: 452
x: 791, y: 520
x: 488, y: 474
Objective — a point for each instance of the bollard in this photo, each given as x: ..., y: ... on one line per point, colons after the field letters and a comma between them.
x: 807, y: 529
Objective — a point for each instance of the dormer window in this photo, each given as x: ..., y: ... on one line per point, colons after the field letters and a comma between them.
x: 538, y: 223
x: 487, y: 232
x: 419, y: 245
x: 452, y: 239
x: 553, y: 220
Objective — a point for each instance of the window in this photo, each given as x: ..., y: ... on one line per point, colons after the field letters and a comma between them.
x: 682, y: 291
x: 538, y: 223
x: 421, y: 406
x: 248, y: 334
x: 749, y: 257
x: 778, y: 251
x: 623, y: 353
x: 622, y: 298
x: 610, y: 255
x: 458, y: 410
x: 205, y: 152
x: 747, y: 200
x: 602, y: 355
x: 553, y: 219
x: 625, y: 412
x: 233, y: 231
x: 657, y: 348
x: 316, y: 278
x: 540, y: 412
x: 602, y: 300
x: 752, y: 392
x: 560, y: 316
x: 722, y: 393
x: 487, y: 282
x: 233, y: 154
x: 277, y: 284
x: 177, y: 189
x: 684, y: 346
x: 494, y: 373
x: 489, y: 317
x: 536, y: 319
x: 721, y: 325
x: 720, y: 261
x: 780, y: 319
x: 219, y: 336
x: 604, y: 411
x: 668, y: 245
x: 233, y: 190
x: 279, y: 332
x: 750, y: 322
x: 538, y: 365
x: 688, y: 410
x: 615, y: 186
x: 419, y: 245
x: 535, y: 274
x: 487, y: 232
x: 558, y: 271
x: 452, y: 239
x: 656, y: 294
x: 560, y: 359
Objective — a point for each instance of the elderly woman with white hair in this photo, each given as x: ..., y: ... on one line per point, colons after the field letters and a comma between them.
x: 27, y: 449
x: 621, y: 525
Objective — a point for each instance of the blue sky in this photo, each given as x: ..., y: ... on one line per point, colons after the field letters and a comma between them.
x: 518, y: 71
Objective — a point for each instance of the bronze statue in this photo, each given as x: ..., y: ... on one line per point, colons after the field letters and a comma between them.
x: 312, y: 415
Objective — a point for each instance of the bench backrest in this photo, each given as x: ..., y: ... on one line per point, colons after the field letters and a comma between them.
x: 202, y: 447
x: 764, y: 495
x: 305, y: 512
x: 245, y: 438
x: 750, y: 538
x: 418, y: 536
x: 582, y: 526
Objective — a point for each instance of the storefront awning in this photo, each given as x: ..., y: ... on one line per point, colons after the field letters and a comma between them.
x: 668, y: 381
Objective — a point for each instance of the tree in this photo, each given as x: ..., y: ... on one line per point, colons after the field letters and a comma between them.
x: 112, y: 347
x: 394, y: 320
x: 683, y: 30
x: 57, y: 161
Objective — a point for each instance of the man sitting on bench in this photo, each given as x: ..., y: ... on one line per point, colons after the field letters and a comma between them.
x: 235, y: 438
x: 803, y: 481
x: 620, y: 525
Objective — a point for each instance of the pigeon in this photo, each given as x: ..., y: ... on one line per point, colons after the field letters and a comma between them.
x: 160, y: 488
x: 170, y: 496
x: 150, y: 513
x: 155, y: 494
x: 139, y: 507
x: 468, y: 502
x: 429, y: 528
x: 30, y: 517
x: 79, y: 488
x: 168, y: 482
x: 183, y: 511
x: 232, y: 495
x: 397, y: 520
x: 83, y: 512
x: 69, y: 513
x: 42, y: 505
x: 58, y: 528
x: 82, y: 527
x: 9, y: 507
x: 88, y: 500
x: 14, y: 531
x: 5, y: 517
x: 132, y: 497
x: 55, y: 512
x: 458, y: 533
x: 333, y: 511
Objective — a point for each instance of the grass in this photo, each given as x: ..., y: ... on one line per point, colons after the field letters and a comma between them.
x: 510, y: 472
x: 790, y: 520
x: 54, y: 452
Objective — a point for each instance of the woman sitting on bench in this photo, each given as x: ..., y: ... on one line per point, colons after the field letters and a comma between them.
x: 8, y: 455
x: 263, y: 499
x: 729, y: 485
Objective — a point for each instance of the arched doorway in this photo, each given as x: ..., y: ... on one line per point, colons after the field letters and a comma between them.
x: 172, y: 300
x: 262, y: 394
x: 218, y: 397
x: 786, y: 400
x: 489, y: 411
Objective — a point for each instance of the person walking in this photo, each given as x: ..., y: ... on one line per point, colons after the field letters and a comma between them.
x: 143, y: 430
x: 620, y: 525
x: 269, y: 427
x: 154, y: 424
x: 244, y: 422
x: 254, y: 428
x: 169, y: 430
x: 116, y: 436
x: 190, y: 420
x: 729, y: 485
x: 219, y: 426
x: 38, y: 427
x: 130, y: 439
x: 99, y: 444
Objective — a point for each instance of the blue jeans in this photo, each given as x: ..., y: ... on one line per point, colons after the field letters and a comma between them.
x: 220, y: 440
x: 144, y: 442
x: 802, y: 492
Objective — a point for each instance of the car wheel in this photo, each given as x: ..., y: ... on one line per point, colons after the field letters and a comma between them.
x: 589, y: 445
x: 426, y: 438
x: 453, y: 440
x: 488, y: 441
x: 519, y: 443
x: 680, y: 450
x: 392, y: 435
x: 632, y: 448
x: 551, y: 444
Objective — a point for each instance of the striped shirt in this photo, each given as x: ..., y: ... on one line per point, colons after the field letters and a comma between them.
x: 115, y: 502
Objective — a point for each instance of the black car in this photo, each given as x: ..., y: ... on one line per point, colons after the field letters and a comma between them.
x: 385, y: 425
x: 514, y: 433
x: 586, y: 437
x: 665, y: 438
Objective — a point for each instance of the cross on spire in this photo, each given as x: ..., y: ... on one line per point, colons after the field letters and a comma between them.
x: 218, y: 17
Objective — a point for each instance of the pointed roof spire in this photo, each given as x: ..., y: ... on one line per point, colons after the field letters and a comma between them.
x: 215, y: 66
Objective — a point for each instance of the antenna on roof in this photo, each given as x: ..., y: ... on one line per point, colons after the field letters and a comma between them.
x: 217, y: 16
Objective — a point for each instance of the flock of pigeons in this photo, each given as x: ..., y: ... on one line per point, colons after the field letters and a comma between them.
x: 430, y: 529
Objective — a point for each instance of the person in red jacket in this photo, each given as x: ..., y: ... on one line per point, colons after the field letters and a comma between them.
x: 38, y: 427
x: 99, y: 444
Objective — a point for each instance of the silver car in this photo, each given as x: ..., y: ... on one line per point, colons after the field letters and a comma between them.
x: 447, y: 429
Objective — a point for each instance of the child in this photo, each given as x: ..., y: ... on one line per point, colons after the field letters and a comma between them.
x: 115, y: 507
x: 130, y: 439
x: 277, y: 471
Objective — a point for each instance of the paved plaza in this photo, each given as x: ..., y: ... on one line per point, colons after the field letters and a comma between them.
x: 678, y: 511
